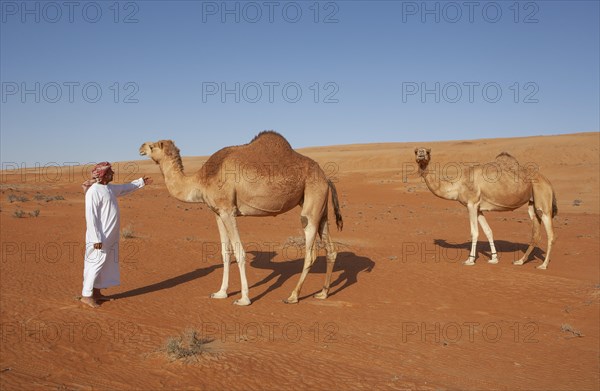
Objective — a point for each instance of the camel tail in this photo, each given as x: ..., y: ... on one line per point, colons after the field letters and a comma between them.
x: 554, y: 206
x: 336, y: 206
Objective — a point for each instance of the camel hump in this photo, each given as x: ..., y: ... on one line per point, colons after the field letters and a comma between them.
x: 272, y: 139
x: 507, y: 162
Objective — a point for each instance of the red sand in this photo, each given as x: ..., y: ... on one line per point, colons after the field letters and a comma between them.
x: 404, y: 312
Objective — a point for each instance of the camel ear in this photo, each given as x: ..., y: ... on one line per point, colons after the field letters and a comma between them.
x: 160, y: 144
x: 428, y: 150
x: 416, y: 150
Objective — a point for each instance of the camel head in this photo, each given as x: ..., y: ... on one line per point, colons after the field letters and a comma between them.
x: 423, y: 156
x: 160, y: 150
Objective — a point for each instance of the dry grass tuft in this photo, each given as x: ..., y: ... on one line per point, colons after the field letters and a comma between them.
x: 127, y: 232
x: 188, y: 345
x: 16, y: 198
x: 567, y: 328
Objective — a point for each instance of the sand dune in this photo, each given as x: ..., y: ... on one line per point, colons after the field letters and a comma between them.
x: 403, y: 314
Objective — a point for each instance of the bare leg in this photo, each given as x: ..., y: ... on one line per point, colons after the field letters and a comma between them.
x: 226, y: 251
x: 547, y: 220
x: 473, y: 209
x: 488, y: 233
x: 240, y: 254
x: 535, y: 235
x: 331, y: 256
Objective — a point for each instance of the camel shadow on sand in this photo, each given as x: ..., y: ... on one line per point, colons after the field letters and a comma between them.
x: 345, y: 273
x: 508, y: 251
x: 347, y: 267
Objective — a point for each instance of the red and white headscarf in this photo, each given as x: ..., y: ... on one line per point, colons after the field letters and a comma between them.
x: 98, y: 173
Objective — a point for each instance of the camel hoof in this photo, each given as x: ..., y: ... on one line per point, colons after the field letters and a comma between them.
x: 493, y: 261
x: 469, y: 263
x: 542, y: 267
x: 242, y: 302
x: 219, y: 295
x: 320, y: 295
x: 518, y: 263
x: 291, y: 300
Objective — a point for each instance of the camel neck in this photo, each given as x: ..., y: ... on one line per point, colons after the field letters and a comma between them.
x: 433, y: 183
x: 184, y: 188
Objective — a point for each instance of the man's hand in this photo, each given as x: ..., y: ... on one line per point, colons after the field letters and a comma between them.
x: 147, y: 180
x: 97, y: 246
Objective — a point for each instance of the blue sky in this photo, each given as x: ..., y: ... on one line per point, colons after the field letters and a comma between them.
x: 492, y: 69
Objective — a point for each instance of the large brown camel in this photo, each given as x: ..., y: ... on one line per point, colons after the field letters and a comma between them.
x: 263, y: 178
x: 502, y: 185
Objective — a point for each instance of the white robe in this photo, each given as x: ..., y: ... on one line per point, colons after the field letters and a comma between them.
x: 101, y: 267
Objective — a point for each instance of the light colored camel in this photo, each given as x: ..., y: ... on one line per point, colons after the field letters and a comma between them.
x: 263, y: 178
x: 502, y: 185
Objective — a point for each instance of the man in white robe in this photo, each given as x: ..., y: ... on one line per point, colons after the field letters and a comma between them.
x: 101, y: 266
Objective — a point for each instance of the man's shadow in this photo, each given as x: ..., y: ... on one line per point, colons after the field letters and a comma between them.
x: 166, y: 284
x: 502, y: 247
x: 347, y: 264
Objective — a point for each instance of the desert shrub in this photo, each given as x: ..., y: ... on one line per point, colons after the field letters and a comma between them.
x: 19, y: 213
x: 186, y: 345
x: 127, y: 232
x: 42, y: 197
x: 17, y: 198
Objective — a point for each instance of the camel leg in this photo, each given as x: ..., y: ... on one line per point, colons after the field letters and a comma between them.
x: 226, y: 251
x: 331, y: 256
x: 234, y: 237
x: 490, y: 236
x: 473, y: 210
x: 535, y: 235
x: 547, y: 220
x: 310, y: 232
